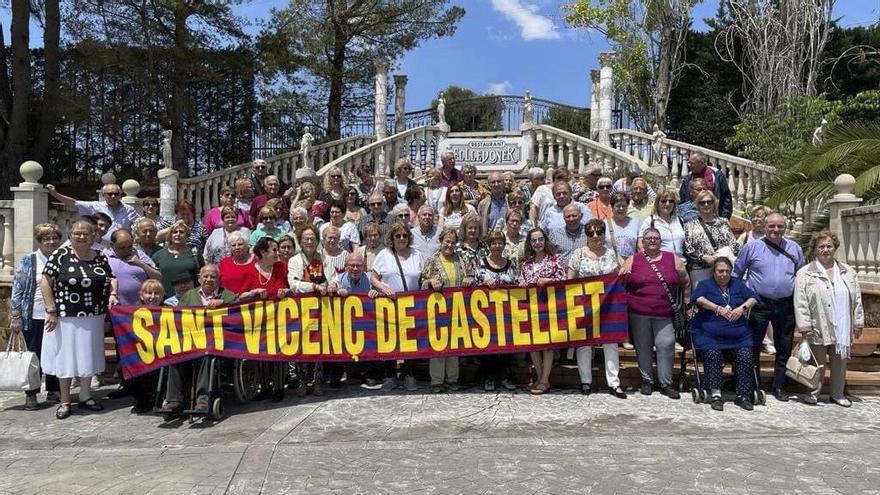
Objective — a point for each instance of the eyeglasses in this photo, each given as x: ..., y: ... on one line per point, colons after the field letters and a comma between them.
x: 113, y: 194
x: 651, y: 239
x: 151, y: 205
x: 265, y: 219
x: 595, y: 233
x: 606, y: 186
x: 376, y: 204
x: 667, y: 201
x: 536, y: 240
x: 706, y: 203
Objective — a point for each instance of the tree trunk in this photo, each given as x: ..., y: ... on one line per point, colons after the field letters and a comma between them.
x: 16, y: 141
x: 337, y: 85
x: 664, y: 78
x: 5, y: 91
x: 52, y: 71
x: 177, y: 105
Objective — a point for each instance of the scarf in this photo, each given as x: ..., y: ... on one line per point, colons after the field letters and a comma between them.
x: 840, y: 313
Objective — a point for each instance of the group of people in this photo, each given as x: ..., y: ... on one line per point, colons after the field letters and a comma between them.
x: 267, y: 239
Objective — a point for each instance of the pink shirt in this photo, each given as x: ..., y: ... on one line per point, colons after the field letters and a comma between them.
x: 214, y: 221
x: 646, y: 294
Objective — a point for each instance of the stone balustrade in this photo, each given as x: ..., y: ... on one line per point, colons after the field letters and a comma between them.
x: 7, y: 239
x: 204, y: 190
x: 565, y: 149
x: 419, y: 144
x: 746, y: 178
x: 860, y: 243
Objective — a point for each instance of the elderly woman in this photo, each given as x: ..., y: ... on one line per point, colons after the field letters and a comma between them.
x: 244, y: 195
x: 414, y: 198
x: 268, y: 227
x: 471, y: 244
x: 454, y: 209
x: 27, y: 309
x: 828, y: 313
x: 235, y: 268
x: 177, y: 260
x: 446, y: 268
x: 217, y: 247
x: 496, y: 270
x: 472, y: 190
x: 403, y: 171
x: 372, y: 246
x: 214, y: 218
x: 721, y: 325
x: 435, y: 192
x: 541, y: 266
x: 306, y: 195
x: 397, y: 268
x: 349, y: 238
x: 651, y: 276
x: 665, y: 221
x: 514, y: 239
x: 593, y: 260
x: 78, y: 288
x: 354, y: 211
x: 334, y: 186
x: 286, y: 247
x: 707, y: 237
x: 185, y: 212
x: 516, y: 201
x: 600, y: 206
x: 331, y: 251
x: 150, y: 206
x: 623, y: 230
x: 758, y: 215
x: 145, y: 236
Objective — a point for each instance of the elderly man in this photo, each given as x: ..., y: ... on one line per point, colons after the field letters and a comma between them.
x: 537, y: 178
x: 390, y: 194
x: 771, y: 264
x: 271, y: 189
x: 367, y: 184
x: 640, y: 206
x: 493, y: 207
x: 121, y: 215
x: 259, y: 172
x: 377, y: 214
x: 542, y: 197
x: 426, y: 235
x: 131, y: 266
x: 449, y: 175
x: 687, y: 210
x: 715, y: 179
x: 145, y: 233
x: 554, y: 217
x: 209, y: 294
x: 572, y: 236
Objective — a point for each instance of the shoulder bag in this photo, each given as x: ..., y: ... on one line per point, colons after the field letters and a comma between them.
x: 681, y: 321
x: 19, y: 367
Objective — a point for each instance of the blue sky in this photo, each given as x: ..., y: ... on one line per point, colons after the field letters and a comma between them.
x: 510, y: 46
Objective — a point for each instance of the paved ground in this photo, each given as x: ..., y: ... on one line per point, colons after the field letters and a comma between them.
x: 467, y: 442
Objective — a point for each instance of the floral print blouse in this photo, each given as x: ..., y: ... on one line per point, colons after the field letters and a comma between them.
x: 585, y: 266
x: 550, y: 267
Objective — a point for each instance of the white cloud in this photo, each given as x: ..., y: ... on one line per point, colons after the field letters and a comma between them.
x: 499, y: 88
x: 533, y: 26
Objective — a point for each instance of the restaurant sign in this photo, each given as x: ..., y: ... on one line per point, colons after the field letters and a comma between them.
x: 497, y: 153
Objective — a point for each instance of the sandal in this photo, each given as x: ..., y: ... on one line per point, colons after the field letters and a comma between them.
x: 63, y: 411
x: 539, y: 389
x: 90, y: 404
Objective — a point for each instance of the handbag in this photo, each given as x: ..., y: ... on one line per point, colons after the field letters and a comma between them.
x: 681, y: 320
x: 19, y: 367
x: 804, y: 372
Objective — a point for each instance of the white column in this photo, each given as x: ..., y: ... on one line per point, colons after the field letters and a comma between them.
x: 594, y: 104
x: 606, y: 95
x: 381, y: 99
x: 167, y: 191
x: 843, y: 200
x: 31, y: 203
x: 399, y: 103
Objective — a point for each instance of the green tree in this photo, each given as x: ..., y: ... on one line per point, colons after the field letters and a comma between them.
x: 467, y: 111
x: 327, y: 50
x: 648, y: 37
x: 852, y: 61
x: 571, y: 119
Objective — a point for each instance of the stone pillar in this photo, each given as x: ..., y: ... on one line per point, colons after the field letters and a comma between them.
x: 131, y: 188
x: 167, y: 191
x: 399, y: 103
x: 594, y: 104
x: 381, y: 99
x: 843, y: 200
x: 606, y: 95
x: 31, y: 203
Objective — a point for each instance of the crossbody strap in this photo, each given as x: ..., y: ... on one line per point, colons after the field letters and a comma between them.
x: 709, y: 235
x: 400, y: 267
x: 662, y: 280
x: 781, y: 251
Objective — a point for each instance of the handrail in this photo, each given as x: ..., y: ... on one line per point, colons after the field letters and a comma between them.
x: 581, y: 150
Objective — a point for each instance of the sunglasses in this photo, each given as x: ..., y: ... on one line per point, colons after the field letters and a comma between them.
x: 266, y: 219
x: 260, y: 167
x: 151, y: 205
x: 335, y: 176
x: 606, y: 186
x: 113, y: 194
x: 401, y: 236
x: 595, y: 233
x: 596, y: 175
x: 706, y: 203
x: 536, y: 240
x: 517, y: 202
x: 376, y: 204
x: 667, y: 201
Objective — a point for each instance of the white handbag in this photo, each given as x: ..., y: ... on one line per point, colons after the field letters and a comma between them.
x: 19, y: 367
x: 803, y: 371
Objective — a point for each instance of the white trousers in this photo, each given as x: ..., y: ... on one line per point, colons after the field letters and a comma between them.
x: 612, y: 364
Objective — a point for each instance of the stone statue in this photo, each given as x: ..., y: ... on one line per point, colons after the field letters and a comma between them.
x: 819, y: 133
x: 528, y: 110
x: 167, y: 160
x: 441, y: 109
x: 659, y: 137
x: 305, y: 148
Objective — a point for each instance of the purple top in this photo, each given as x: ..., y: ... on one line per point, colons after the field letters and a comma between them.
x: 128, y: 277
x: 646, y: 294
x: 454, y: 177
x: 766, y: 271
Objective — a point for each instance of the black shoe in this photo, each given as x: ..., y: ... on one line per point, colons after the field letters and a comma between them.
x: 63, y: 411
x: 453, y: 387
x: 141, y: 408
x: 780, y: 395
x: 30, y: 402
x: 670, y: 392
x: 586, y: 389
x: 717, y: 403
x: 746, y: 403
x: 53, y: 397
x: 617, y: 392
x: 278, y: 395
x: 91, y: 404
x: 119, y: 393
x: 646, y: 389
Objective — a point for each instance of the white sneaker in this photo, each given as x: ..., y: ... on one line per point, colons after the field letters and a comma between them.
x: 678, y: 347
x: 628, y: 346
x: 769, y: 348
x: 409, y: 383
x: 96, y: 382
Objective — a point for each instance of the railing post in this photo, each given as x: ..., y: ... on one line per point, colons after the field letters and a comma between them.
x: 381, y: 99
x: 399, y: 103
x: 594, y: 104
x: 606, y: 82
x: 168, y: 179
x: 31, y: 203
x: 131, y: 188
x: 843, y: 200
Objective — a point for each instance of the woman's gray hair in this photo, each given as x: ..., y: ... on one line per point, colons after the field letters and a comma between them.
x: 299, y: 210
x: 236, y: 235
x: 537, y: 173
x: 89, y: 225
x: 399, y: 209
x: 468, y: 166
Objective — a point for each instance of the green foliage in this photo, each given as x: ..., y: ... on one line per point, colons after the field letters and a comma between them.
x: 467, y: 111
x: 569, y: 119
x: 852, y: 61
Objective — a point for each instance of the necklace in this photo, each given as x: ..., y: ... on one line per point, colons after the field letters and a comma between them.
x: 725, y: 293
x: 260, y: 276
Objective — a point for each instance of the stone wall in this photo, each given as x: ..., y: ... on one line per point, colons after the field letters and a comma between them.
x: 871, y: 303
x: 5, y: 293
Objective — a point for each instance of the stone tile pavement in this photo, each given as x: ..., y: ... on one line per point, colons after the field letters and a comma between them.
x: 354, y: 441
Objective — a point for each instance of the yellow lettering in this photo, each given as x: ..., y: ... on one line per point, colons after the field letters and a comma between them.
x: 253, y: 324
x: 498, y: 298
x: 438, y: 337
x: 482, y: 335
x: 405, y: 323
x: 271, y: 337
x: 557, y: 335
x: 193, y: 322
x: 354, y: 339
x: 167, y: 334
x: 216, y: 316
x: 140, y: 320
x: 386, y: 326
x: 287, y: 342
x: 594, y: 289
x: 331, y: 325
x: 518, y: 316
x: 539, y: 335
x: 460, y: 334
x: 309, y: 325
x: 575, y: 310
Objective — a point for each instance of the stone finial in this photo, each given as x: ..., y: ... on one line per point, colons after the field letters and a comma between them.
x: 31, y: 172
x: 108, y: 178
x: 131, y: 187
x: 606, y: 58
x: 844, y: 184
x: 594, y: 76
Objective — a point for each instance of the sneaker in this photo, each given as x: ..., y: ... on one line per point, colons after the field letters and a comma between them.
x: 389, y: 384
x: 452, y: 387
x: 717, y: 404
x: 409, y: 383
x: 844, y: 402
x: 628, y: 346
x: 745, y: 403
x: 489, y: 385
x: 769, y: 348
x: 670, y: 392
x: 30, y: 402
x: 507, y: 384
x: 96, y: 382
x: 810, y: 400
x: 370, y: 384
x: 53, y: 397
x: 646, y: 389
